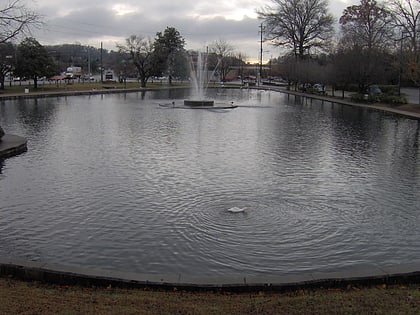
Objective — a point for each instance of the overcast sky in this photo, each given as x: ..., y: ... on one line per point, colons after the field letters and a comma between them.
x: 200, y: 22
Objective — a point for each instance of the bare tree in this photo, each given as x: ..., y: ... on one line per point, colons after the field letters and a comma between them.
x: 298, y: 24
x: 368, y: 25
x: 223, y: 51
x: 141, y: 52
x: 15, y: 19
x: 407, y: 19
x: 367, y: 35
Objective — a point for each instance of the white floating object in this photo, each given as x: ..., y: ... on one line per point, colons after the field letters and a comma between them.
x: 236, y: 209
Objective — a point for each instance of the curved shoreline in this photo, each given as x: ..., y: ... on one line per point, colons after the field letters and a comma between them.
x: 346, y: 102
x: 307, y: 96
x: 34, y: 95
x: 27, y: 270
x: 64, y: 275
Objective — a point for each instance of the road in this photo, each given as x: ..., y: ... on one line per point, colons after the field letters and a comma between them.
x: 412, y: 95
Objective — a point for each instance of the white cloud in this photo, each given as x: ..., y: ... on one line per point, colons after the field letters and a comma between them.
x: 199, y: 22
x: 123, y: 9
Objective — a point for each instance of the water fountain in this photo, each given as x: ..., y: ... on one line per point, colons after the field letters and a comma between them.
x: 200, y: 81
x: 200, y: 78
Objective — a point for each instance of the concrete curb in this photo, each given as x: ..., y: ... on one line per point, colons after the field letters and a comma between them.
x: 35, y: 95
x: 341, y: 101
x: 11, y: 145
x: 62, y: 275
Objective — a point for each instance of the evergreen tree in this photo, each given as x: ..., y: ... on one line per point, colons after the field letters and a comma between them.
x: 170, y: 52
x: 33, y: 60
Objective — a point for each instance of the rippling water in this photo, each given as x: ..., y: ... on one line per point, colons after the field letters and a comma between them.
x: 118, y: 182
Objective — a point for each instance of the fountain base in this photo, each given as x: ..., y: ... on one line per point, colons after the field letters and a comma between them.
x: 198, y: 103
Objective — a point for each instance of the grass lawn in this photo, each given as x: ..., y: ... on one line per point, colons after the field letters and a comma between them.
x: 19, y: 297
x: 45, y: 87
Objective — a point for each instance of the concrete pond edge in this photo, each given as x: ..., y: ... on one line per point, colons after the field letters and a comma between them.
x: 11, y: 145
x: 66, y: 275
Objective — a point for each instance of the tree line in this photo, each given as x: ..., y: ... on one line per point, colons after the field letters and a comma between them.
x: 376, y: 43
x: 138, y: 57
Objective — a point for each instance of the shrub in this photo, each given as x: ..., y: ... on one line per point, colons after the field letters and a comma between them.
x: 392, y: 99
x: 389, y: 89
x: 381, y: 98
x: 361, y: 98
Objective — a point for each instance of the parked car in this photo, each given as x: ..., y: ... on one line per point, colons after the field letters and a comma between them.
x: 88, y: 78
x: 374, y: 90
x: 304, y: 87
x: 318, y: 88
x: 17, y: 79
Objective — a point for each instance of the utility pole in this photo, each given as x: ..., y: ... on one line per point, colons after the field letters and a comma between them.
x: 89, y: 72
x: 261, y: 54
x: 206, y: 67
x: 102, y: 66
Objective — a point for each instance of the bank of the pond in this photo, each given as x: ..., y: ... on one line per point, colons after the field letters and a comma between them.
x: 408, y: 110
x: 66, y: 93
x: 65, y: 275
x: 401, y: 275
x: 11, y: 145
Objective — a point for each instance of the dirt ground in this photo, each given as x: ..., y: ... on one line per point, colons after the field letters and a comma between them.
x: 409, y: 108
x: 19, y: 297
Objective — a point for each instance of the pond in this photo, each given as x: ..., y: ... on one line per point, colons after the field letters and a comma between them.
x: 119, y: 182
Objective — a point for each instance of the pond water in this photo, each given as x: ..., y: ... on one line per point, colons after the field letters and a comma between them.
x: 119, y: 182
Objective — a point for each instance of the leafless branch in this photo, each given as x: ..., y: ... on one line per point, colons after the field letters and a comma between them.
x: 15, y: 19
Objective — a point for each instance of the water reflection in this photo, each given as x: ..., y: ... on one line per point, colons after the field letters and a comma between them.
x: 118, y: 182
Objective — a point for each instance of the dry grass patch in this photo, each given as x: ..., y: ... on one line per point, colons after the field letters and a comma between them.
x: 18, y: 297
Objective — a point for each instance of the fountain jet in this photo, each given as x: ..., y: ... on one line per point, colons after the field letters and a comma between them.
x: 200, y: 81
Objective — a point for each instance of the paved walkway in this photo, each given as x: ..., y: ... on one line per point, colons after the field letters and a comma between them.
x: 347, y: 102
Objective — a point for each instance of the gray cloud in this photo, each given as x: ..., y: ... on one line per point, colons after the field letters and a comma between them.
x: 199, y: 22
